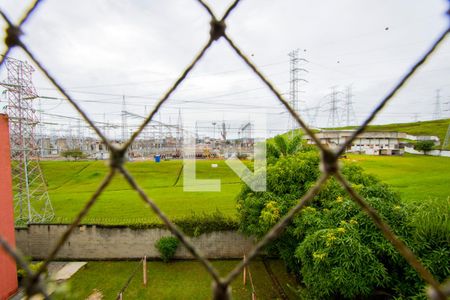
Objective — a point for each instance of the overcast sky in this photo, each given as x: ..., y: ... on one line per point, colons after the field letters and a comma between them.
x: 101, y: 50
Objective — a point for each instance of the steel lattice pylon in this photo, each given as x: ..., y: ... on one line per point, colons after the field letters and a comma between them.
x: 31, y: 200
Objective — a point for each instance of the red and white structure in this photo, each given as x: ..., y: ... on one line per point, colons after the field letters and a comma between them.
x: 8, y: 272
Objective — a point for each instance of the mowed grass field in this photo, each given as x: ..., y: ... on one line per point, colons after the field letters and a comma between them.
x: 71, y: 184
x: 176, y: 280
x: 415, y: 177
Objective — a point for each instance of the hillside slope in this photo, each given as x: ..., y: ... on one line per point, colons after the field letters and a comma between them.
x: 436, y: 127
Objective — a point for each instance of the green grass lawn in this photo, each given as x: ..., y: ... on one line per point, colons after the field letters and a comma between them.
x: 71, y: 184
x: 176, y: 280
x: 415, y: 177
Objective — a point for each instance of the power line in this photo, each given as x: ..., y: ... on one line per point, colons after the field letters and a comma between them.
x: 172, y: 79
x: 146, y: 97
x: 124, y: 120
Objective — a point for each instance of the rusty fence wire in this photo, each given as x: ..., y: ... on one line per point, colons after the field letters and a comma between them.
x: 34, y: 282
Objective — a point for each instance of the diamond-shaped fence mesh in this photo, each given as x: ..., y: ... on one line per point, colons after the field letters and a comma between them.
x: 34, y: 283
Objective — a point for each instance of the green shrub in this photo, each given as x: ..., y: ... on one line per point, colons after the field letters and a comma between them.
x: 75, y: 154
x: 332, y: 246
x: 21, y: 274
x: 337, y: 262
x: 429, y: 239
x: 424, y: 146
x: 197, y: 224
x: 191, y: 225
x: 430, y: 221
x: 167, y: 246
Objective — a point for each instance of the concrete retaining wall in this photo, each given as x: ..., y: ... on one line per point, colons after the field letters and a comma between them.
x: 100, y: 243
x: 445, y: 153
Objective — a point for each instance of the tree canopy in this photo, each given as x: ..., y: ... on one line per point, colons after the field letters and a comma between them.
x: 332, y: 246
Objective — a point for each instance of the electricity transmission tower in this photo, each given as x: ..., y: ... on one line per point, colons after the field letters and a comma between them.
x: 312, y: 113
x: 349, y: 113
x: 31, y: 200
x: 294, y: 91
x: 437, y: 106
x: 333, y: 117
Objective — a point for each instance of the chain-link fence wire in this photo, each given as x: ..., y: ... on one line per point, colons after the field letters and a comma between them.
x: 130, y: 278
x: 34, y: 282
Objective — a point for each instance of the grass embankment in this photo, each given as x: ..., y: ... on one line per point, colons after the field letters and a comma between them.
x: 436, y: 127
x: 415, y: 177
x: 177, y: 280
x: 71, y: 184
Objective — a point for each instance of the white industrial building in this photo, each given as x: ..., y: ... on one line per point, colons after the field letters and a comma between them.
x: 371, y: 143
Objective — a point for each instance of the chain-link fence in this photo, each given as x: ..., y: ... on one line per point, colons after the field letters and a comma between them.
x: 34, y: 284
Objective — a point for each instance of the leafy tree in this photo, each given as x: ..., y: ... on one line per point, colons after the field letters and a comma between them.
x: 75, y: 154
x: 332, y: 245
x: 424, y: 146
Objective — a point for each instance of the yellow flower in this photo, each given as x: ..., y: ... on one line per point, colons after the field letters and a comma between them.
x: 397, y: 207
x: 353, y: 222
x: 339, y: 199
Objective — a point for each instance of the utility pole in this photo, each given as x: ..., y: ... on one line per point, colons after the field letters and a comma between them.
x: 160, y: 131
x: 223, y: 132
x: 196, y: 131
x: 294, y: 91
x: 179, y: 130
x: 105, y: 125
x: 124, y: 120
x: 146, y: 129
x: 79, y: 135
x: 69, y: 139
x: 437, y: 106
